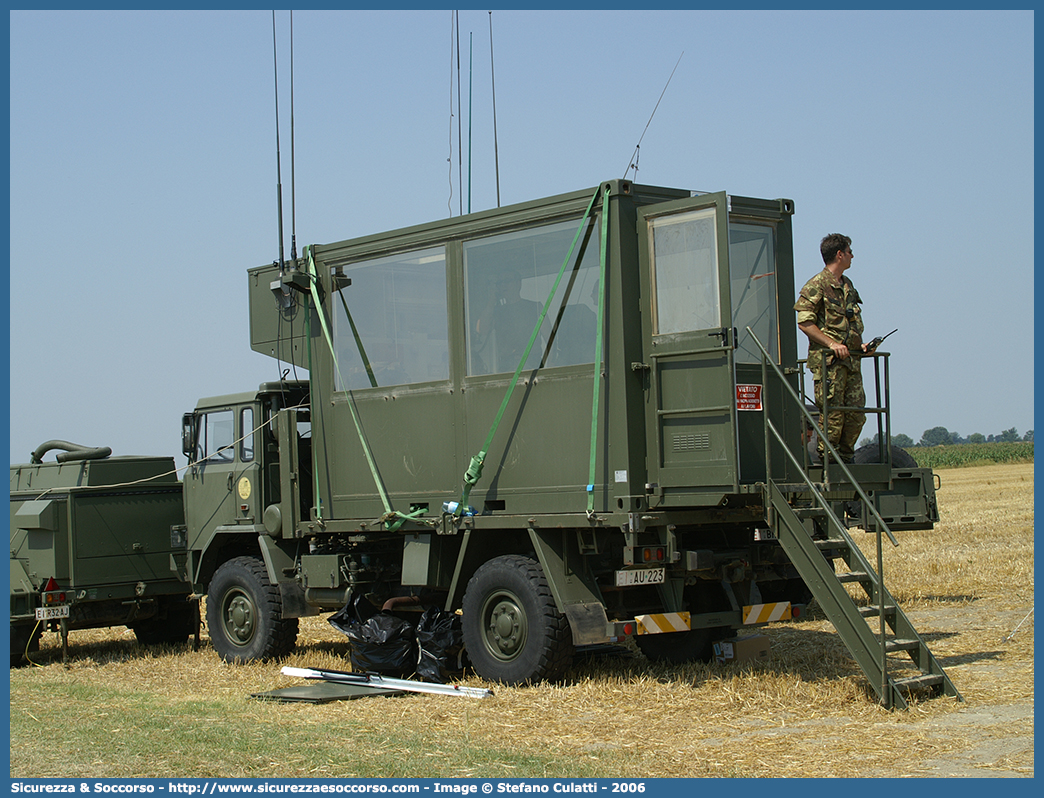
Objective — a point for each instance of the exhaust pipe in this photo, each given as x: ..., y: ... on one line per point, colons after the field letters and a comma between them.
x: 72, y: 451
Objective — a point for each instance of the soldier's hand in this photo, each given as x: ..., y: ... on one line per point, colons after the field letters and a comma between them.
x: 840, y: 350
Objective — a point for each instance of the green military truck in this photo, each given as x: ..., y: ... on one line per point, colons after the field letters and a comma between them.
x: 574, y: 420
x: 91, y: 539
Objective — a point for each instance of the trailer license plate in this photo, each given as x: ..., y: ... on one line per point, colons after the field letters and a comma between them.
x: 52, y: 613
x: 641, y: 576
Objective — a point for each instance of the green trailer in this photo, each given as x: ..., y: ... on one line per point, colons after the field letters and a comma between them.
x: 91, y: 543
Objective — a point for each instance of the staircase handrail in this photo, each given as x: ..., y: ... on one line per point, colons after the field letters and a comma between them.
x: 766, y: 361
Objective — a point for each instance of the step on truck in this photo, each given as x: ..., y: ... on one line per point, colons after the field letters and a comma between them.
x: 91, y: 541
x: 574, y: 420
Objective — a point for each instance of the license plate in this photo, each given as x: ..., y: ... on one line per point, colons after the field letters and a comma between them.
x: 52, y: 613
x: 641, y: 576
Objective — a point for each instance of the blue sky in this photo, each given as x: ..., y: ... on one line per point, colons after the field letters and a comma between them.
x: 143, y: 177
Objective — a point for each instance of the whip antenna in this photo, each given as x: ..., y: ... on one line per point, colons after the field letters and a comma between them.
x: 493, y: 81
x: 293, y: 189
x: 634, y: 158
x: 279, y: 175
x: 449, y: 160
x: 460, y: 145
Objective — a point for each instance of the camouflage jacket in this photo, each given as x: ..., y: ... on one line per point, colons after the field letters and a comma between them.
x: 835, y: 308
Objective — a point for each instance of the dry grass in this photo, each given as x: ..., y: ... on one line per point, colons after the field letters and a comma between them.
x: 805, y: 712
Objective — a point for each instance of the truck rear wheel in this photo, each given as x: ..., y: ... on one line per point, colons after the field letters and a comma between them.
x: 244, y: 613
x: 513, y: 632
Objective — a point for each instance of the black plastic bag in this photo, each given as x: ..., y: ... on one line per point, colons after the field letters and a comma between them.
x: 383, y: 644
x: 356, y: 611
x: 378, y: 641
x: 440, y: 644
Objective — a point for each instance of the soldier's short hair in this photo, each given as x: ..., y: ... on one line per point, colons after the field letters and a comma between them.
x: 832, y: 244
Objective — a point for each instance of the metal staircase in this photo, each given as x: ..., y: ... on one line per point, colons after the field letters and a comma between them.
x: 895, y: 658
x: 874, y: 652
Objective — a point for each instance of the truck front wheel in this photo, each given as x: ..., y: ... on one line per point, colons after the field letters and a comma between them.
x: 244, y: 613
x: 513, y: 632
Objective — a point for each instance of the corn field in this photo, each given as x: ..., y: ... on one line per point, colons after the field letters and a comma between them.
x: 968, y: 454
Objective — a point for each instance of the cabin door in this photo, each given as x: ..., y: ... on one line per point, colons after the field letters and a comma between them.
x: 689, y: 345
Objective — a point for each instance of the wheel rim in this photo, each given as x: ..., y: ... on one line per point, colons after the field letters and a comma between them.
x: 238, y: 617
x: 505, y: 626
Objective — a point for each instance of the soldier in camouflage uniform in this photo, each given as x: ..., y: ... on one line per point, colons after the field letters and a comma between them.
x: 828, y: 313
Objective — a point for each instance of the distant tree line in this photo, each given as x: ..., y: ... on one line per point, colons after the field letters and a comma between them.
x: 940, y: 436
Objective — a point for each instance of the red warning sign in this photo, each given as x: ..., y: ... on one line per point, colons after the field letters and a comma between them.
x: 748, y: 397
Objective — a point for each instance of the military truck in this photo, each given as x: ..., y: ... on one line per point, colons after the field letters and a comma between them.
x: 573, y: 420
x: 91, y: 539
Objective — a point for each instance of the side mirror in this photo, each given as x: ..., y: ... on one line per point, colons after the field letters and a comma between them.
x: 188, y: 435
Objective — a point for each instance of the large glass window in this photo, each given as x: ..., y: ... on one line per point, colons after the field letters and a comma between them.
x: 685, y: 272
x: 216, y: 436
x: 508, y: 279
x: 752, y: 274
x: 390, y: 323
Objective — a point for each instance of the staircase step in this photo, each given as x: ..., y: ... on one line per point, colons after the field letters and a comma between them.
x: 832, y: 543
x: 922, y: 682
x: 902, y: 645
x: 872, y: 611
x: 855, y: 576
x: 809, y: 512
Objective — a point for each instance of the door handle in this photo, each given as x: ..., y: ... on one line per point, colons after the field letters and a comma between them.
x: 229, y: 481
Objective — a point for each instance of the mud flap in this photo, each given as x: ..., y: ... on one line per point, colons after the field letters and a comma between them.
x: 575, y: 592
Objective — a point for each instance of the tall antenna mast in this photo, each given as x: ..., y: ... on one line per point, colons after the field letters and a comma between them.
x: 493, y: 81
x: 471, y: 58
x: 460, y: 146
x: 634, y: 157
x: 293, y: 188
x: 279, y: 174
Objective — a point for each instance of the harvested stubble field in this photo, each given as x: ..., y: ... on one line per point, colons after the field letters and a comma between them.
x: 122, y: 711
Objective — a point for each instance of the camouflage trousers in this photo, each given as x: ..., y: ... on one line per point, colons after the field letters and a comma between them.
x: 842, y: 426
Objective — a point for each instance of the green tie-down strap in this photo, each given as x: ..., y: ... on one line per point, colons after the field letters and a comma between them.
x: 598, y: 351
x: 392, y: 519
x: 474, y: 472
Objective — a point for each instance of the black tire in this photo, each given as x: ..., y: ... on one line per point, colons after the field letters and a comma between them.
x: 174, y: 622
x: 677, y: 648
x: 24, y: 637
x: 871, y: 453
x: 244, y: 613
x: 513, y: 632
